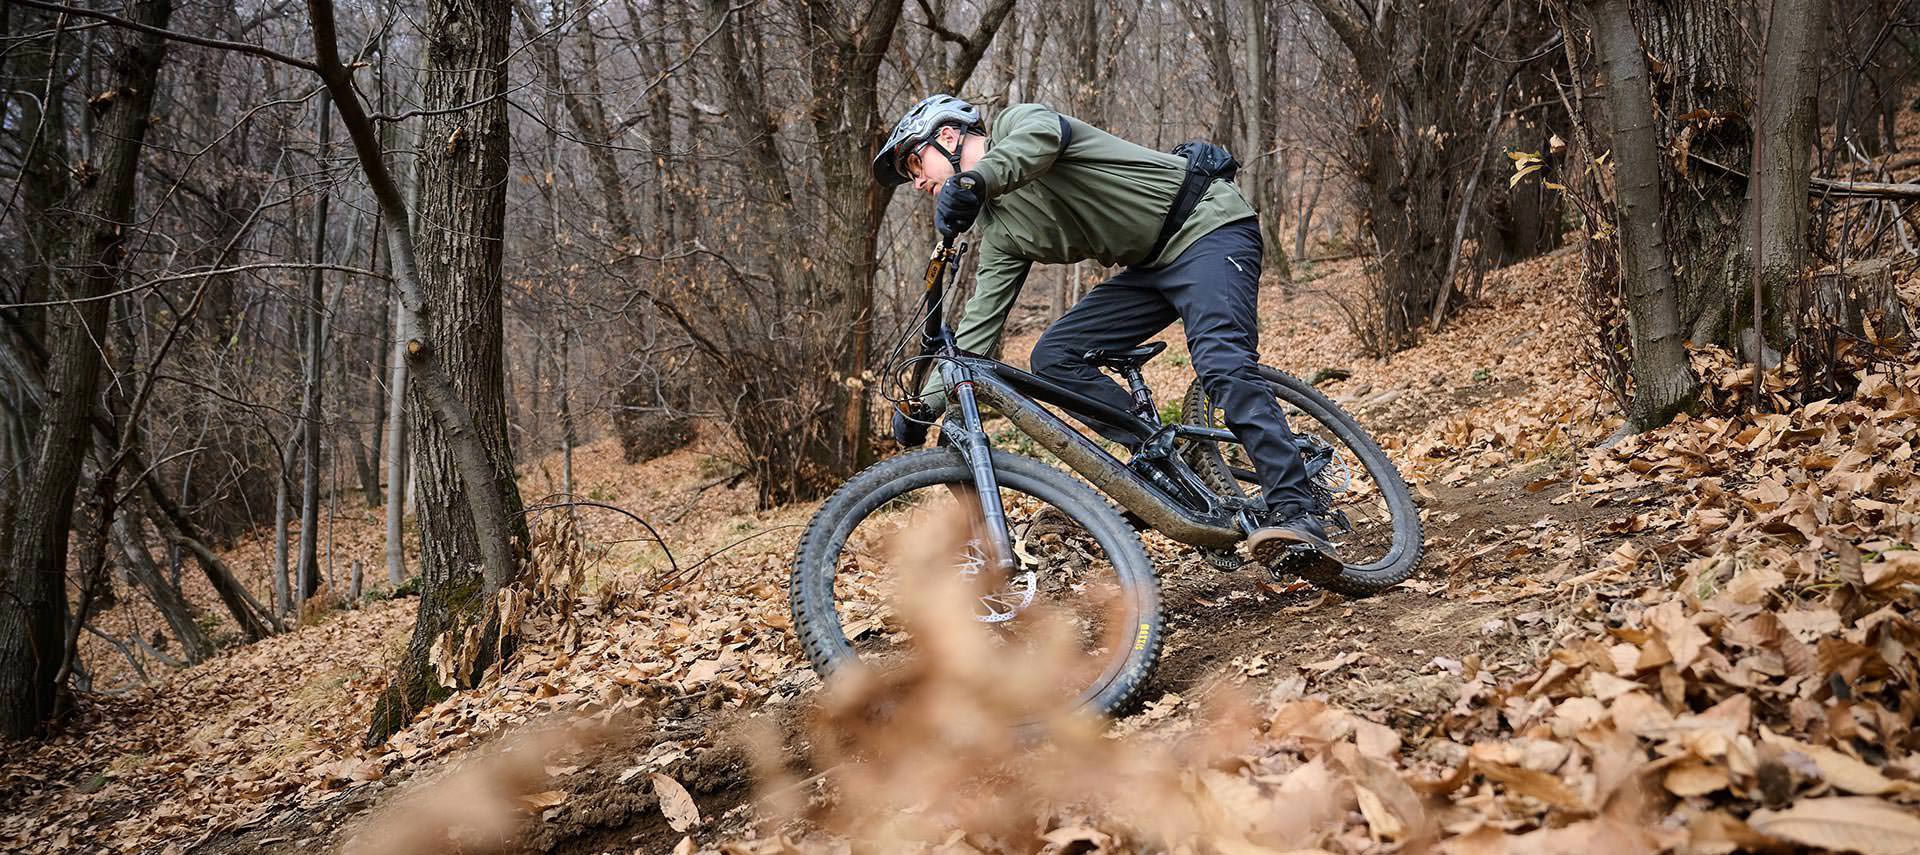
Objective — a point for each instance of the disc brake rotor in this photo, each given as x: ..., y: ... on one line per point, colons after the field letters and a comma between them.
x: 1010, y: 599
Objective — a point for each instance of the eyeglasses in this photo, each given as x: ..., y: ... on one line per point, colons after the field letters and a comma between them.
x: 901, y: 160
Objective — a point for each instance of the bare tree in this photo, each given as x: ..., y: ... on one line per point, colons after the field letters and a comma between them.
x: 1783, y: 160
x: 1664, y: 382
x: 1420, y: 72
x: 32, y: 618
x: 454, y: 339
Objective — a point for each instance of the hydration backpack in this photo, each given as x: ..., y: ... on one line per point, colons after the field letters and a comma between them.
x: 1206, y: 163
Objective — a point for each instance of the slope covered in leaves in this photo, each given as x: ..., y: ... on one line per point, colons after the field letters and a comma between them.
x: 1719, y: 659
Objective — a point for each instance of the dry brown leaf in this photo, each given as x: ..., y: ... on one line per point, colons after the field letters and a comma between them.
x: 1854, y: 823
x: 675, y: 802
x: 1843, y: 772
x: 1716, y: 833
x: 1694, y: 779
x: 1484, y: 840
x: 1534, y: 784
x: 544, y: 800
x: 1380, y: 819
x: 1606, y: 687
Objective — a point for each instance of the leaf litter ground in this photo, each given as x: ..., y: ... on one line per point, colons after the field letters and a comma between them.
x: 1699, y: 640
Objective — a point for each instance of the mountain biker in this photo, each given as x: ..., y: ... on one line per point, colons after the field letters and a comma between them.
x: 1053, y: 189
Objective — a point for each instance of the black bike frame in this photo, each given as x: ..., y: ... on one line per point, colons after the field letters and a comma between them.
x: 1211, y: 521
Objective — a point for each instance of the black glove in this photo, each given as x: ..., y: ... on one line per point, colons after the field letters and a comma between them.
x: 958, y: 204
x: 908, y: 432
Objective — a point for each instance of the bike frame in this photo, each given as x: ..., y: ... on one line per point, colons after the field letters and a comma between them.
x: 1203, y: 518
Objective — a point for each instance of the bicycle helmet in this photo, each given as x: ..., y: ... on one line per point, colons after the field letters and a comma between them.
x: 918, y: 127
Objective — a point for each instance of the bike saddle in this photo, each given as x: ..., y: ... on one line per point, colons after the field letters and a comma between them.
x: 1122, y: 360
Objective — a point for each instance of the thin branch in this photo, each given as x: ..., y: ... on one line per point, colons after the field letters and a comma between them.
x: 217, y: 44
x: 1817, y: 185
x: 195, y: 274
x: 939, y: 29
x: 461, y: 108
x: 582, y: 503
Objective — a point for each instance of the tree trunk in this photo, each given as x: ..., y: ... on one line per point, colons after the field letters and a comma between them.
x: 32, y: 618
x: 1309, y: 202
x: 1703, y: 106
x: 195, y: 646
x: 1268, y: 183
x: 369, y: 463
x: 43, y: 182
x: 224, y: 582
x: 1664, y: 383
x: 568, y: 437
x: 1413, y: 138
x: 457, y: 356
x: 1083, y: 51
x: 397, y: 457
x: 284, y: 591
x: 308, y: 576
x: 1782, y: 159
x: 589, y: 119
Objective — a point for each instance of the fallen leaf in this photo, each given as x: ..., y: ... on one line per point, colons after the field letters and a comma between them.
x: 1066, y: 836
x: 542, y: 801
x: 1384, y: 824
x: 675, y: 802
x: 1843, y: 772
x: 1694, y: 779
x: 1860, y: 824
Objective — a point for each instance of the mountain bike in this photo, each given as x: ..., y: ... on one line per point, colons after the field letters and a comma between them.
x: 1038, y: 540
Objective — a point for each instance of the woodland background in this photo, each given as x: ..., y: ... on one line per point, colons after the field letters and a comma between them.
x: 286, y: 280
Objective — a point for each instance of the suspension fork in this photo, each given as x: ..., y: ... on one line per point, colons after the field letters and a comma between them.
x: 974, y: 448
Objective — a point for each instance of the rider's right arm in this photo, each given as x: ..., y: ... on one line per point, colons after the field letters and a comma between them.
x: 996, y: 286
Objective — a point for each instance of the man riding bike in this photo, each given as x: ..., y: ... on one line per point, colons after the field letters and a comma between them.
x: 1053, y: 189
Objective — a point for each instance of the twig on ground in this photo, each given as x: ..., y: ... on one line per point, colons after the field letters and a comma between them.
x: 583, y: 503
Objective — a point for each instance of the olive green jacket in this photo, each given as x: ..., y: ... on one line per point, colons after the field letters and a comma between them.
x: 1102, y: 199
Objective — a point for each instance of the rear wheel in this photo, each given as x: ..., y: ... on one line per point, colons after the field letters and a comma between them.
x: 1358, y: 494
x: 1080, y: 607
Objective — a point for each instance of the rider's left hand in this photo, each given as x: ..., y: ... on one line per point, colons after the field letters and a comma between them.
x: 958, y: 204
x: 909, y: 431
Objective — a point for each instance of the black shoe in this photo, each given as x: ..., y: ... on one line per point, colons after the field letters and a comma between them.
x: 1298, y: 544
x: 909, y: 432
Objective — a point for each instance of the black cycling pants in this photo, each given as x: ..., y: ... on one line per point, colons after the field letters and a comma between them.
x: 1213, y: 286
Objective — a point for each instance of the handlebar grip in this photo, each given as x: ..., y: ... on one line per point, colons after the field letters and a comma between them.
x: 966, y: 182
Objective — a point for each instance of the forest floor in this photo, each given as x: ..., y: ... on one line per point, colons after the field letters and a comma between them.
x: 1699, y: 640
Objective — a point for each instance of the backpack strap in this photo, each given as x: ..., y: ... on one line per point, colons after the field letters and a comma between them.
x: 1066, y: 137
x: 1193, y: 187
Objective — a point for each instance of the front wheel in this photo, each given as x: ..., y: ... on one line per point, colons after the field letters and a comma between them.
x: 1360, y: 497
x: 1081, y: 592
